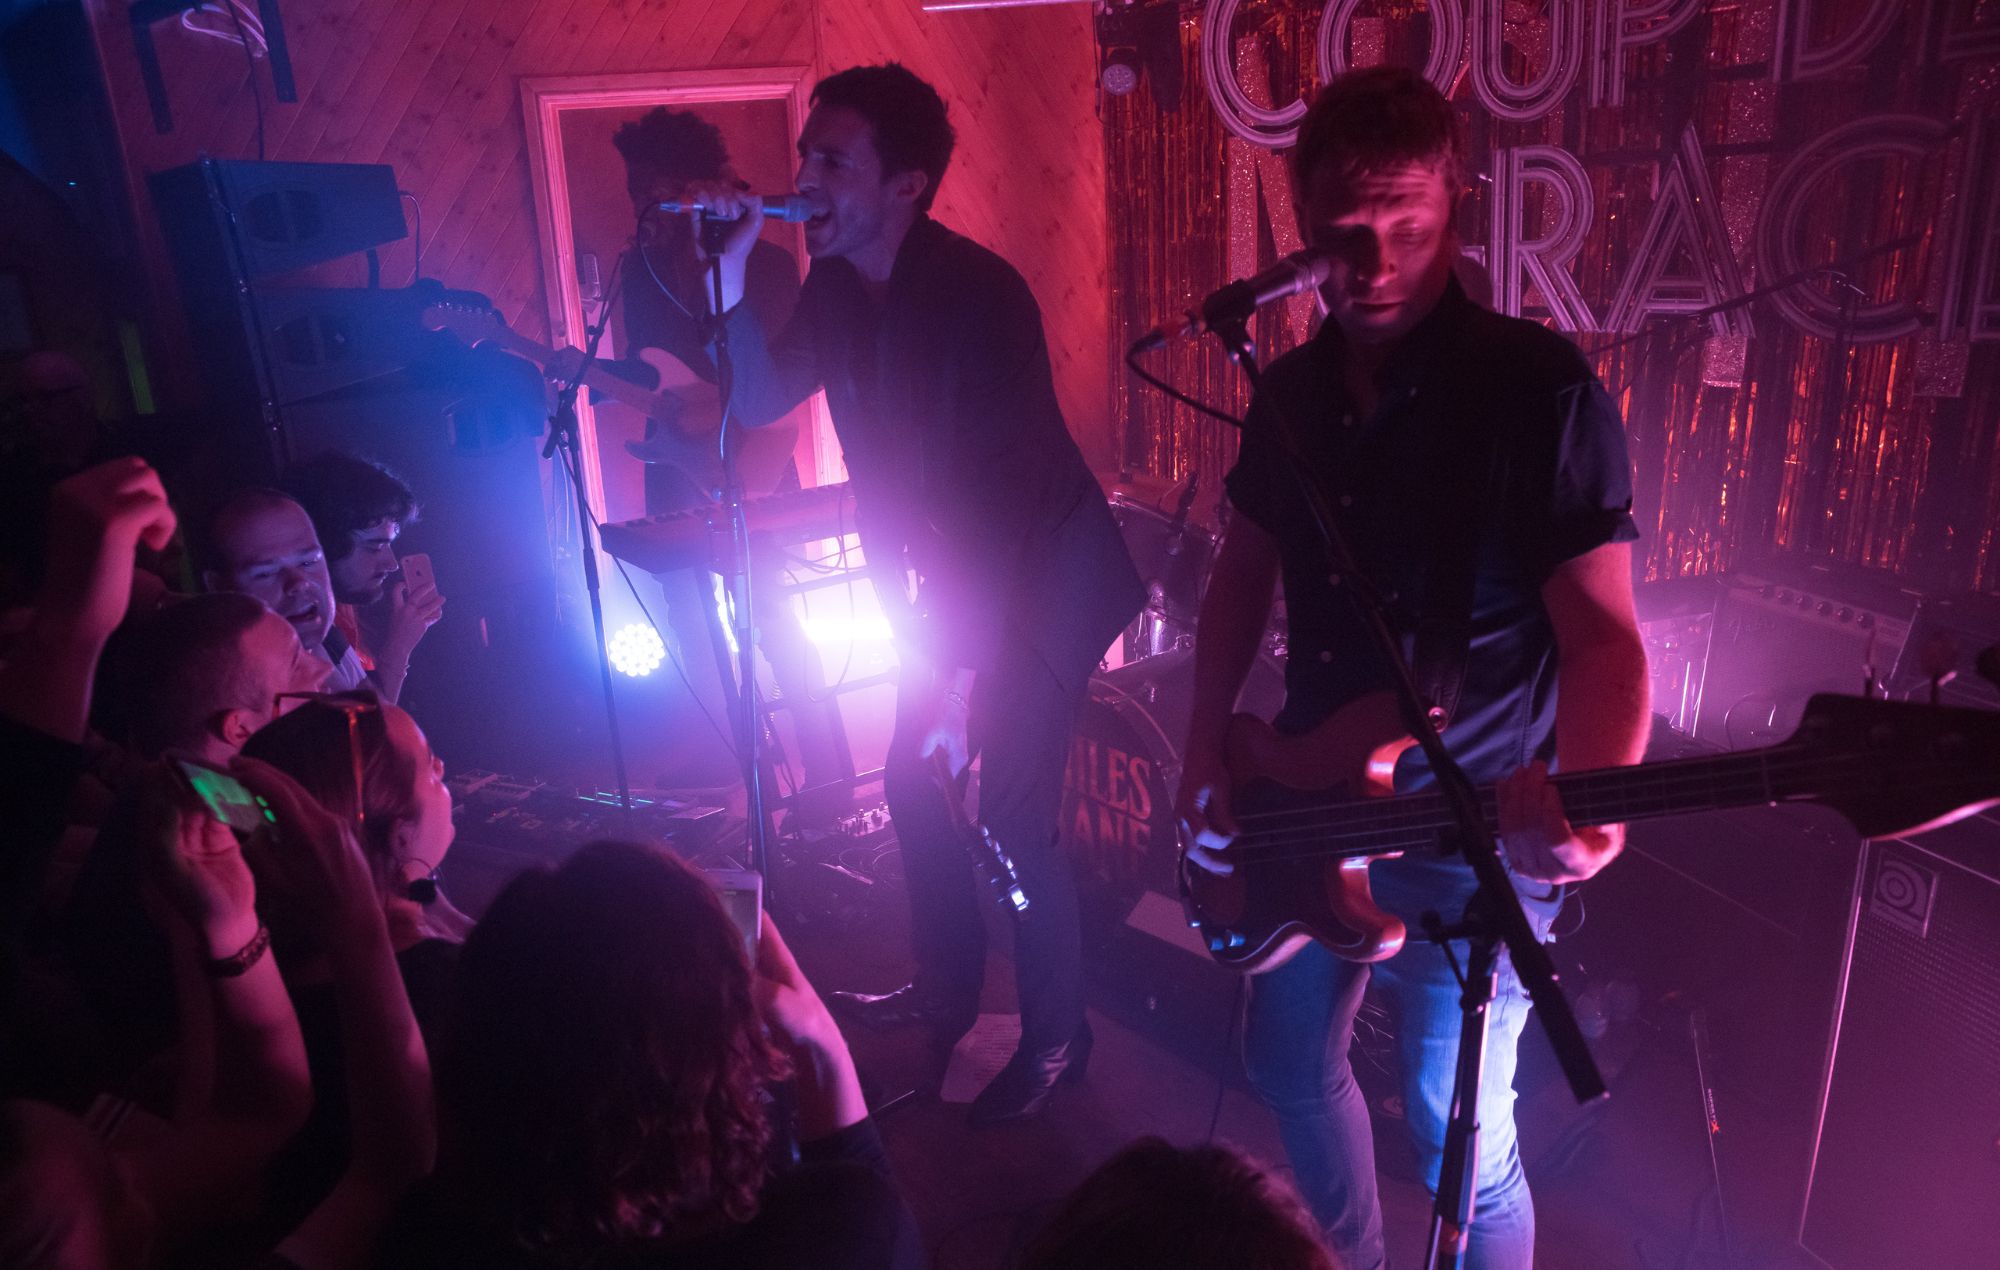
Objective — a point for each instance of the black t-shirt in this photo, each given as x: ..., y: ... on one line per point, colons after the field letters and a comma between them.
x: 1489, y: 430
x: 838, y: 1209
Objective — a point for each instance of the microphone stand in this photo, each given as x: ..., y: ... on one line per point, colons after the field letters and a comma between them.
x: 1492, y: 918
x: 748, y: 726
x: 563, y: 436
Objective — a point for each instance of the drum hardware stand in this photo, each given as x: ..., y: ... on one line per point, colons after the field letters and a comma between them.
x: 1493, y: 917
x: 563, y: 436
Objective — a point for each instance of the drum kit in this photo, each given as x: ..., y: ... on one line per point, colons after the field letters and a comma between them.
x: 1118, y: 823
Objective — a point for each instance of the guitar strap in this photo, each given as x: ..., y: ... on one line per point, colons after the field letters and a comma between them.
x: 1465, y: 497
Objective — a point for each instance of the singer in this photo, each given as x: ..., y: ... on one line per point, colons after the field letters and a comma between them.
x: 965, y: 475
x: 1477, y: 470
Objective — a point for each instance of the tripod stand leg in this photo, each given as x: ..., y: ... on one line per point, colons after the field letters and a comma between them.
x: 1458, y: 1176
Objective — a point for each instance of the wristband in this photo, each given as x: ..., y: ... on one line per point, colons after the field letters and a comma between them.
x: 239, y: 962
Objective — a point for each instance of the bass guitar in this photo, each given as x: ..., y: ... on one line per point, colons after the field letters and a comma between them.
x: 1313, y: 810
x: 685, y: 408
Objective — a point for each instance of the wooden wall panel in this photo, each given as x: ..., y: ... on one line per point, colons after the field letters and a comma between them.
x: 430, y: 87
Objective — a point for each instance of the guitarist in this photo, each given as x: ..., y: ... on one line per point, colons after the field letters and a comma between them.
x: 662, y: 303
x: 1478, y: 470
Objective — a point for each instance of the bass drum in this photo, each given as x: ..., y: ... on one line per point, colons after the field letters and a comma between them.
x: 1118, y: 822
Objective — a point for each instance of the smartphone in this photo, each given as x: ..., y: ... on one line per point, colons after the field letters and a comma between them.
x: 227, y: 799
x: 742, y: 893
x: 417, y: 573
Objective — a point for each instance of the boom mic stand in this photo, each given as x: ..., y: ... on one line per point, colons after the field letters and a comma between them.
x: 563, y: 437
x: 1494, y: 915
x: 749, y: 749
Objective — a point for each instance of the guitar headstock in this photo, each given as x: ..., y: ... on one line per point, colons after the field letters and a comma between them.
x: 1891, y: 767
x: 466, y: 314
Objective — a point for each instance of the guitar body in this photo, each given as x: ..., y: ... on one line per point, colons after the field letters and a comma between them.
x: 1257, y: 917
x: 685, y: 437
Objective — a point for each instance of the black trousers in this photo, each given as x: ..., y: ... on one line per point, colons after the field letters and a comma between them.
x: 1020, y: 722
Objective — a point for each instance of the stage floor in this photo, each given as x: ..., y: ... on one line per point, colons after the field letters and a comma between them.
x: 1625, y: 1185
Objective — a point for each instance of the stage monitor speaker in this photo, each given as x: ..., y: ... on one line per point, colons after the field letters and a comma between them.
x: 1784, y: 632
x: 1906, y: 1162
x: 285, y: 216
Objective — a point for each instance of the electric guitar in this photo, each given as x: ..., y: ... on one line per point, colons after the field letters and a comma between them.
x: 1313, y: 810
x: 989, y: 859
x: 685, y: 408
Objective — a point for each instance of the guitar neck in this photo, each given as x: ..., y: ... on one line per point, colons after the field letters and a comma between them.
x: 1617, y: 795
x: 595, y: 376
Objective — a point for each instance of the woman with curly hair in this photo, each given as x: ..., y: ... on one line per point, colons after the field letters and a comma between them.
x: 603, y: 1090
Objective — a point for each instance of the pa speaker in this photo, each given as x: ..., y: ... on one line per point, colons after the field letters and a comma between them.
x: 279, y: 217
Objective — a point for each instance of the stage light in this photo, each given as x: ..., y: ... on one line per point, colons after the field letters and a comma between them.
x: 636, y: 650
x: 838, y: 629
x: 1121, y: 71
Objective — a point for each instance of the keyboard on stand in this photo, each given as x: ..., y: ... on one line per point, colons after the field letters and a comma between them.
x: 699, y: 536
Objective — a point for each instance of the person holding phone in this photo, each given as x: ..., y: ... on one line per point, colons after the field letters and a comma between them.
x: 603, y: 1097
x: 359, y: 509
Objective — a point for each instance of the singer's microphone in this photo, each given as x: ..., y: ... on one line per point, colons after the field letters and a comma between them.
x: 1303, y: 270
x: 785, y: 207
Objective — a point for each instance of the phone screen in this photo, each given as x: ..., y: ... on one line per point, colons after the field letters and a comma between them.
x: 742, y: 893
x: 226, y: 798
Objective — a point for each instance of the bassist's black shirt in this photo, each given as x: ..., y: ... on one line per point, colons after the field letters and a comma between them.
x: 1489, y: 430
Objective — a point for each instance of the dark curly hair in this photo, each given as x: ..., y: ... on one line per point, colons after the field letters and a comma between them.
x: 1377, y: 117
x: 1195, y: 1208
x: 602, y: 1086
x: 344, y: 494
x: 679, y: 143
x: 913, y: 131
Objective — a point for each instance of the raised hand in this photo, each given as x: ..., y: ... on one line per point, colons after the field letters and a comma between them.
x: 98, y: 519
x: 197, y: 864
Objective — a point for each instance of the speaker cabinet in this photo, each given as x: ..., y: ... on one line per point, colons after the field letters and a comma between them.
x: 1906, y: 1161
x: 1784, y: 632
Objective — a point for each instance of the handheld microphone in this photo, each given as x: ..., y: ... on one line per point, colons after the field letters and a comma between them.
x: 1303, y: 270
x: 782, y: 207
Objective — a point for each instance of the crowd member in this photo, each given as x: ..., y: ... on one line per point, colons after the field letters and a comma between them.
x: 123, y: 1190
x: 1477, y: 470
x: 368, y: 762
x: 602, y: 1093
x: 1193, y: 1208
x: 358, y: 510
x: 261, y: 543
x: 931, y: 351
x: 200, y: 674
x: 99, y: 521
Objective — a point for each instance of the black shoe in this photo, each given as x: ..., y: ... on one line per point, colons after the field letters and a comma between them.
x: 885, y: 1011
x: 1028, y: 1081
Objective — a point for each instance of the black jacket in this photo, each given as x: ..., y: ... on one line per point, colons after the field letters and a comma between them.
x: 958, y: 453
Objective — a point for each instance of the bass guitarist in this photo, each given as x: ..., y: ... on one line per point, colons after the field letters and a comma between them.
x: 1478, y: 471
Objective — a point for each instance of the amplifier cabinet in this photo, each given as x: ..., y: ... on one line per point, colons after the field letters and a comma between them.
x: 1905, y: 1167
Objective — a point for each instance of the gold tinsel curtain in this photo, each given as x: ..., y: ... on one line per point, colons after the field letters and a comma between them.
x: 1877, y: 454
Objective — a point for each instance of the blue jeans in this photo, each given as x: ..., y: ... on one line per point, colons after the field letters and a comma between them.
x: 1300, y: 1019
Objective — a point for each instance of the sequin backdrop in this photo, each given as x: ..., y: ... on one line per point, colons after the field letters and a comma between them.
x: 1878, y: 454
